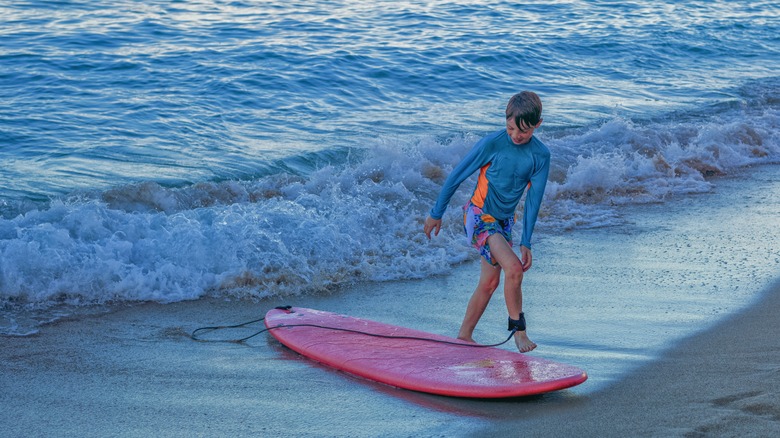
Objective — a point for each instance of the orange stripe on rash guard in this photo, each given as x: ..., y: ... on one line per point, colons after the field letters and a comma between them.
x: 480, y: 193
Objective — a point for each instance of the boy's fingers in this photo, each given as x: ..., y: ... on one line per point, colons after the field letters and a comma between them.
x: 432, y: 225
x: 526, y: 258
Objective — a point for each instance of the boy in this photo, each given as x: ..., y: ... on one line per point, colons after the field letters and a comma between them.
x: 508, y: 161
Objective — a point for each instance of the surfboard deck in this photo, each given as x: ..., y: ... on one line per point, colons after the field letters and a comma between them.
x: 418, y: 365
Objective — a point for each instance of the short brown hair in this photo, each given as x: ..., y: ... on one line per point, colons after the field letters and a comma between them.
x: 525, y: 106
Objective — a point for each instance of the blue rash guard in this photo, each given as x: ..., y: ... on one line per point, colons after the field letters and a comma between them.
x: 505, y: 170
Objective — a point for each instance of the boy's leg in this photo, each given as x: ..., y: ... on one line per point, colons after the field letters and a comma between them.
x: 513, y: 280
x: 489, y: 278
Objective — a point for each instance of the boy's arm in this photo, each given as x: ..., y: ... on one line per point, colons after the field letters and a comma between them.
x: 533, y: 200
x: 479, y: 155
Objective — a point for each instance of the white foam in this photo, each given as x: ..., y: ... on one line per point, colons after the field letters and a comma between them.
x: 287, y: 234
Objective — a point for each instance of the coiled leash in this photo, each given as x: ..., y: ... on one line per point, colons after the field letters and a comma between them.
x: 514, y: 326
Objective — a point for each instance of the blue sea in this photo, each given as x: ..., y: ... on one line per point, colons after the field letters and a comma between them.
x: 173, y: 150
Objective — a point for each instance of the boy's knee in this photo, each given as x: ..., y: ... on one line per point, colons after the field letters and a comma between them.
x: 493, y: 284
x: 514, y: 272
x: 489, y: 285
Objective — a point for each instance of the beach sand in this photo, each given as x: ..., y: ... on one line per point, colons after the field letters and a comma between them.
x: 678, y: 336
x: 724, y: 382
x: 135, y: 372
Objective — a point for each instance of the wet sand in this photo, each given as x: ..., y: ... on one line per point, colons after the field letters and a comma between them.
x: 136, y: 372
x: 724, y: 382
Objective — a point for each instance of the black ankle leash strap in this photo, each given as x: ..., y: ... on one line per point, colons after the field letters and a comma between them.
x: 517, y: 325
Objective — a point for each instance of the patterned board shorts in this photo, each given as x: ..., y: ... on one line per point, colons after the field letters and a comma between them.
x: 479, y: 226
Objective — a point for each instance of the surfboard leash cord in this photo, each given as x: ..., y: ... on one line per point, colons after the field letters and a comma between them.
x: 209, y: 329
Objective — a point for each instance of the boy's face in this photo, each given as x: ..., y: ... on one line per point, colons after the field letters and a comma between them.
x: 520, y: 134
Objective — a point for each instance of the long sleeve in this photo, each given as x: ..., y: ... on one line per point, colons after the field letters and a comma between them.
x: 533, y: 199
x: 479, y: 155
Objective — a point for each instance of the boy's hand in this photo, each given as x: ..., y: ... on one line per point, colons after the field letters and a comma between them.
x: 525, y: 258
x: 432, y: 224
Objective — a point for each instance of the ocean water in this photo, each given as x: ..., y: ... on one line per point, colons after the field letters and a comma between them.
x: 168, y: 151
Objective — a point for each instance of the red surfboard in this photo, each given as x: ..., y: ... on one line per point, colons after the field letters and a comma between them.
x: 395, y: 357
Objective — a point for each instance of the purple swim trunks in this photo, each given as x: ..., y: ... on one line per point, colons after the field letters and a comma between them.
x: 479, y: 226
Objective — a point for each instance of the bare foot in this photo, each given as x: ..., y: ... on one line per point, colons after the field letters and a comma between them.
x: 524, y: 345
x: 467, y: 339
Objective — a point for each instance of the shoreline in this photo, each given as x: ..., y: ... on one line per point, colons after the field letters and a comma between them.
x: 686, y: 345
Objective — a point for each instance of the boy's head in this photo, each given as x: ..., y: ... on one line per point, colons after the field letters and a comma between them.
x: 523, y: 115
x: 525, y: 108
